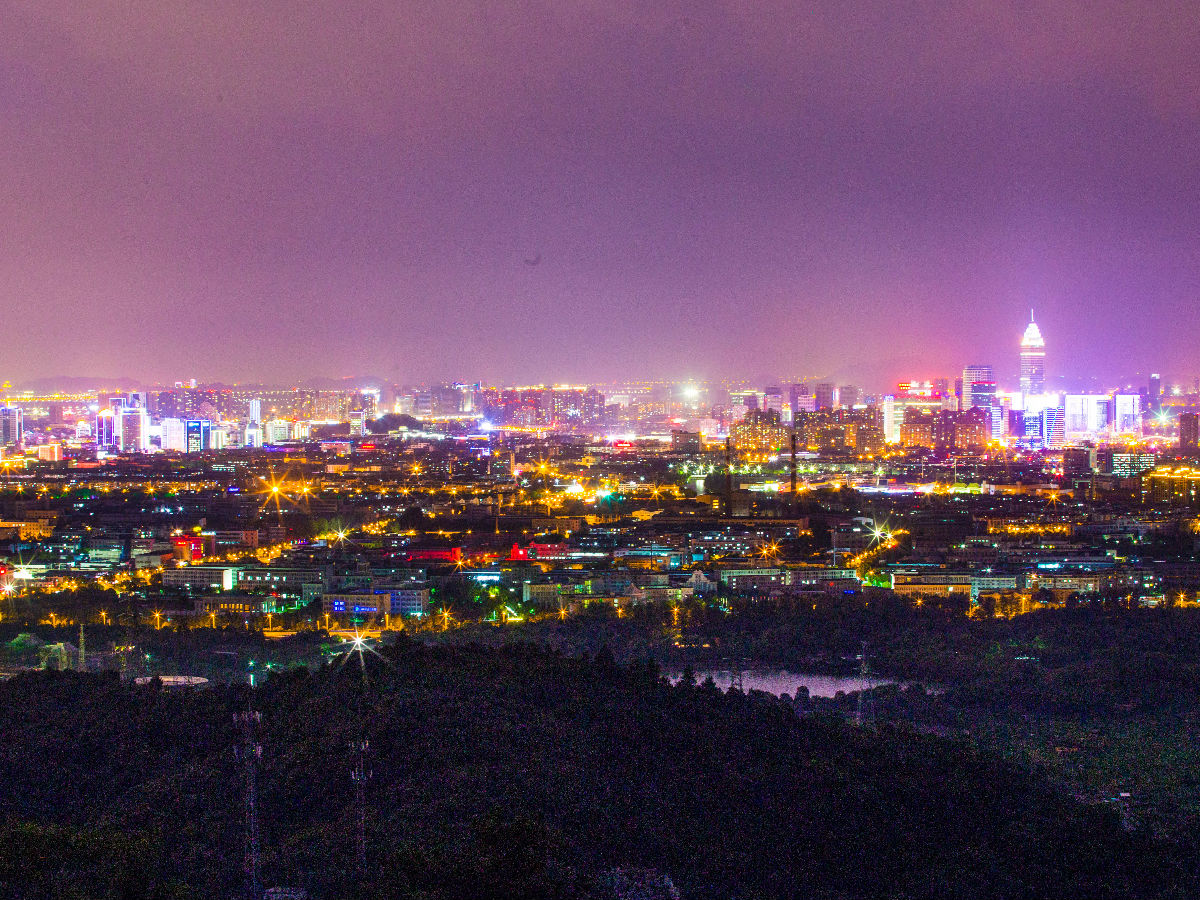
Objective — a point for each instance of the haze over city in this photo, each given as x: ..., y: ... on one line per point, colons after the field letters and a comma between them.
x: 599, y: 450
x: 557, y: 192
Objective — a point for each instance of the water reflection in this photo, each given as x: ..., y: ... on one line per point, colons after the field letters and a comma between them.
x: 781, y: 682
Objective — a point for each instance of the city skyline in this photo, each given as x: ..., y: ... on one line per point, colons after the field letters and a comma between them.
x: 1030, y: 378
x: 603, y: 449
x: 583, y: 193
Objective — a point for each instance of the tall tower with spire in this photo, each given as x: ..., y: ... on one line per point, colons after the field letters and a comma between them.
x: 1033, y: 359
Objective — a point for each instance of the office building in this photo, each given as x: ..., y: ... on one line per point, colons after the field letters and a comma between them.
x: 978, y: 387
x: 277, y: 431
x: 1053, y: 432
x: 198, y: 435
x: 108, y: 430
x: 1126, y: 415
x: 1033, y: 360
x: 1086, y: 416
x: 1125, y: 465
x: 134, y: 429
x: 11, y: 426
x: 172, y: 435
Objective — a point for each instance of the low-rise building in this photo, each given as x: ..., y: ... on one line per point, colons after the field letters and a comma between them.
x: 201, y: 578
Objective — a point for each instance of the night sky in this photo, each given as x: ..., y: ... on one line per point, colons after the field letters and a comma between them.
x: 591, y: 190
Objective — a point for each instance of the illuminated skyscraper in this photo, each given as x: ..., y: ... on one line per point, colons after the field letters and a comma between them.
x: 134, y: 429
x: 1126, y: 418
x: 1033, y: 360
x: 108, y: 430
x: 11, y: 425
x: 198, y: 435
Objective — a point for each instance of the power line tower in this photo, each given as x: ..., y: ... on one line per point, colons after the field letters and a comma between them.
x: 865, y: 714
x: 736, y: 680
x: 82, y: 650
x: 360, y: 775
x: 249, y: 752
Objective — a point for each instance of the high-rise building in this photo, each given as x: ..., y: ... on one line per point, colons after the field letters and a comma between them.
x: 1053, y: 434
x: 255, y: 411
x: 277, y: 431
x: 197, y: 435
x: 826, y: 395
x: 173, y: 435
x: 773, y: 400
x: 1086, y: 415
x: 759, y: 432
x: 1189, y: 431
x: 135, y: 429
x: 1032, y: 427
x: 978, y: 387
x: 1154, y: 392
x: 108, y: 429
x: 1033, y: 359
x: 800, y: 399
x: 11, y: 425
x: 1126, y: 415
x: 1128, y: 465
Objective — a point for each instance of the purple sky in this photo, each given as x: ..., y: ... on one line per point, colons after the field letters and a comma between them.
x: 275, y: 190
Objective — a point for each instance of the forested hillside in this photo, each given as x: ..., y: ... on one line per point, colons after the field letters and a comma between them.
x: 519, y: 773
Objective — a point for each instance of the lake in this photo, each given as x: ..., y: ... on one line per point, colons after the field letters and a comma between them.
x: 779, y: 682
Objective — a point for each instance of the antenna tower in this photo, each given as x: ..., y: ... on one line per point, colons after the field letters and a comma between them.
x: 360, y: 775
x: 865, y: 714
x: 736, y: 681
x: 249, y: 752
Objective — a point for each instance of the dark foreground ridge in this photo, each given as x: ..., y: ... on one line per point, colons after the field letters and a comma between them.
x: 519, y: 773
